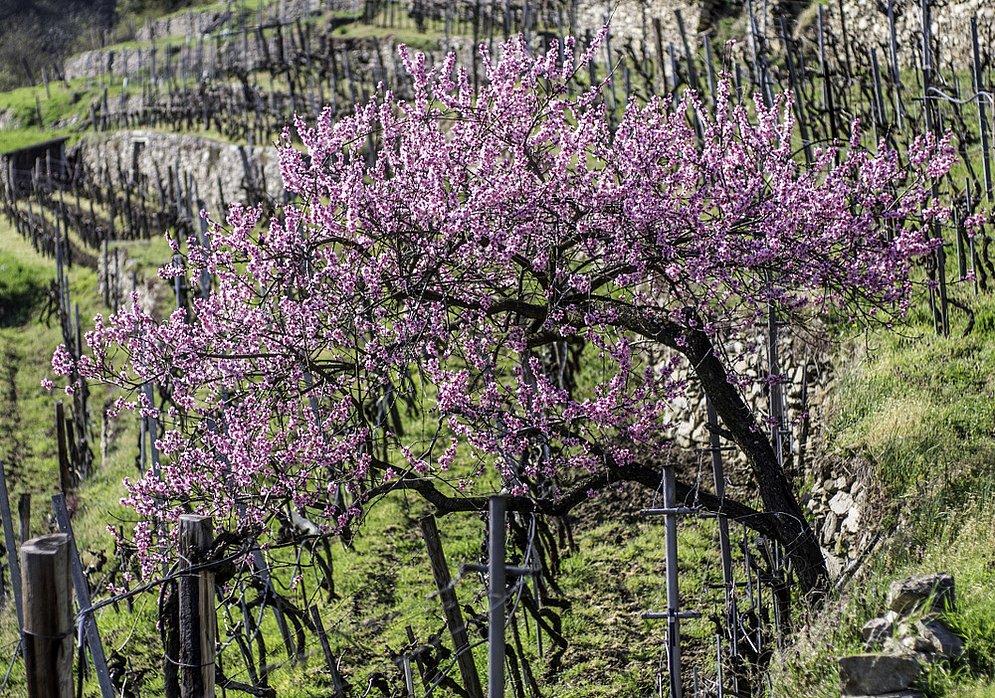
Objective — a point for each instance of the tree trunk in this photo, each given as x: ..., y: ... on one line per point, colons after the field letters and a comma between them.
x: 776, y: 494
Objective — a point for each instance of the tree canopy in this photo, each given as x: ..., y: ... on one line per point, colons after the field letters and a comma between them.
x: 416, y: 316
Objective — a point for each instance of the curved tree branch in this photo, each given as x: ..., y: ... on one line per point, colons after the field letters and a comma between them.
x: 649, y: 477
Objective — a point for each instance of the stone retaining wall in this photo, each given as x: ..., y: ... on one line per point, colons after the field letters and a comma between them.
x: 210, y: 163
x: 867, y: 27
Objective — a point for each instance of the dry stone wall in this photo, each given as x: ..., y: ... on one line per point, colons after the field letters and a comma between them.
x: 206, y: 56
x: 867, y: 27
x: 195, y: 23
x: 839, y: 495
x: 218, y: 168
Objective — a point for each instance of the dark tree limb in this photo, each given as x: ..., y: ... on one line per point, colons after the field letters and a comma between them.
x: 765, y: 524
x: 791, y: 528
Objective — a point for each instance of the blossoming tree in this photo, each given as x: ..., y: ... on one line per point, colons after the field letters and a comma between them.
x: 407, y: 321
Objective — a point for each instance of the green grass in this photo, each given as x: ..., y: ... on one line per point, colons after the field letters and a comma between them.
x: 22, y: 287
x: 28, y: 449
x: 920, y: 409
x: 38, y: 116
x: 963, y: 549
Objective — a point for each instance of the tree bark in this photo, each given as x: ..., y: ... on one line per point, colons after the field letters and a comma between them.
x: 649, y: 477
x: 790, y: 527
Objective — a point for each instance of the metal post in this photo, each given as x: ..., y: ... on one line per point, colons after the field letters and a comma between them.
x: 496, y: 599
x: 774, y: 370
x: 979, y: 88
x: 673, y: 593
x: 725, y: 548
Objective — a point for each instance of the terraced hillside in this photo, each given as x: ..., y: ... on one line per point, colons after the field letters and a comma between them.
x: 147, y: 116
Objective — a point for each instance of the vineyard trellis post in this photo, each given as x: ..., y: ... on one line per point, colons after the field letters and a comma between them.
x: 672, y: 615
x: 24, y: 515
x: 337, y: 681
x: 48, y: 630
x: 979, y: 88
x: 725, y: 550
x: 197, y: 620
x: 65, y: 468
x: 88, y: 620
x: 496, y: 598
x: 450, y: 607
x: 11, y: 544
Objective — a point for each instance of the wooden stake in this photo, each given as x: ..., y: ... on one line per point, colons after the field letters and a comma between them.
x: 337, y: 680
x: 198, y: 622
x: 65, y: 471
x: 83, y: 598
x: 24, y: 514
x: 11, y: 545
x: 48, y: 628
x: 450, y: 606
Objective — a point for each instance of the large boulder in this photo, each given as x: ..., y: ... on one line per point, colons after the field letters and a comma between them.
x: 877, y: 674
x: 928, y: 593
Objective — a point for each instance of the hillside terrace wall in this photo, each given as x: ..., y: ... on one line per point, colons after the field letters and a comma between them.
x: 218, y: 168
x: 867, y: 27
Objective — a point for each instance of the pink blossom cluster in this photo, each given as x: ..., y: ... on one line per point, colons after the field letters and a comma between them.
x: 410, y: 313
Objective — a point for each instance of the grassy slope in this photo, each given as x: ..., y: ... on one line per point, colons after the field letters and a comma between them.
x: 920, y: 408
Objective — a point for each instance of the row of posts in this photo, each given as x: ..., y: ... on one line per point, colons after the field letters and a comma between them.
x: 50, y: 627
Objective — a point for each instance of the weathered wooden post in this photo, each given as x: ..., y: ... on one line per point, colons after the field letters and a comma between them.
x: 24, y: 515
x: 198, y: 622
x: 450, y: 606
x: 48, y: 629
x: 337, y: 681
x: 11, y: 546
x: 83, y: 598
x: 65, y: 468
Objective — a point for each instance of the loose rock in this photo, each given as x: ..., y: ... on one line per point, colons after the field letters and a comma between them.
x: 841, y: 503
x: 941, y: 639
x: 875, y: 674
x: 934, y: 590
x: 876, y: 631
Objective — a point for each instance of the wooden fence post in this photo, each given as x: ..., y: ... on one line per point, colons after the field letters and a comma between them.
x: 198, y: 622
x: 65, y: 467
x: 48, y: 629
x: 454, y: 618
